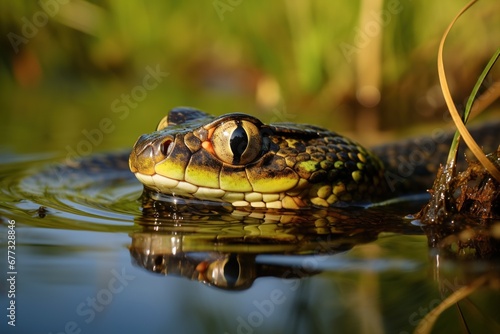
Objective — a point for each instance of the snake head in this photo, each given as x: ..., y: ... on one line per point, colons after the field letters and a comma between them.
x: 196, y: 155
x: 235, y: 158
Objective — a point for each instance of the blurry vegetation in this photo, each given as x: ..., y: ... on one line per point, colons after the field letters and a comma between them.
x: 348, y: 66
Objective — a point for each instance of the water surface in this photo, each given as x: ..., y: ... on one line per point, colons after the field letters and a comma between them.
x: 91, y: 256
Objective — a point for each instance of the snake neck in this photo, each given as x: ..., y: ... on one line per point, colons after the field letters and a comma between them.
x: 411, y: 165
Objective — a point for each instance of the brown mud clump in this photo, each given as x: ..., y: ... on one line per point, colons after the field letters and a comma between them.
x: 462, y: 218
x: 469, y: 195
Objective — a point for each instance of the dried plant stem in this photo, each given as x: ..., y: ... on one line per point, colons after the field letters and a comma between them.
x: 464, y: 133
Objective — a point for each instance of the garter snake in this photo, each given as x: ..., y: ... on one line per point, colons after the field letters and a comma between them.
x: 237, y: 159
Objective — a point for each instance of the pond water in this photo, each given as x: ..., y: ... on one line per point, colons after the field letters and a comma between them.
x: 92, y: 256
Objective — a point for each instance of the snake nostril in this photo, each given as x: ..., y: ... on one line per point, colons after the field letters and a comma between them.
x: 166, y: 147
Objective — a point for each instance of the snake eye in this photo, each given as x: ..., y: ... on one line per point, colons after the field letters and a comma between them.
x: 225, y: 272
x: 237, y: 142
x: 232, y: 270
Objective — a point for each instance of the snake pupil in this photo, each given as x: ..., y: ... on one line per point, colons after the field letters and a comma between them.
x: 238, y: 143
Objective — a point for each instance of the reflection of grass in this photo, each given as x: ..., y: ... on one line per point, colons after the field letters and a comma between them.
x: 425, y: 326
x: 82, y: 60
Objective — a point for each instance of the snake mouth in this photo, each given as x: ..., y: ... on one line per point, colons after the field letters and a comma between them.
x: 165, y: 185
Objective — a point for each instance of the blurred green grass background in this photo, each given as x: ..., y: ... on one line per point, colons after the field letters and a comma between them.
x: 357, y: 67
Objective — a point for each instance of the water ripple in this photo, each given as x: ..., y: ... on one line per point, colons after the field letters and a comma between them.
x: 94, y: 194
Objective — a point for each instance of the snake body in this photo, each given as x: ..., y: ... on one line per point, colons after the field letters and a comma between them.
x: 237, y: 159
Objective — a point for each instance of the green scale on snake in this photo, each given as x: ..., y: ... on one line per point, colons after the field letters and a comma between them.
x: 236, y: 159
